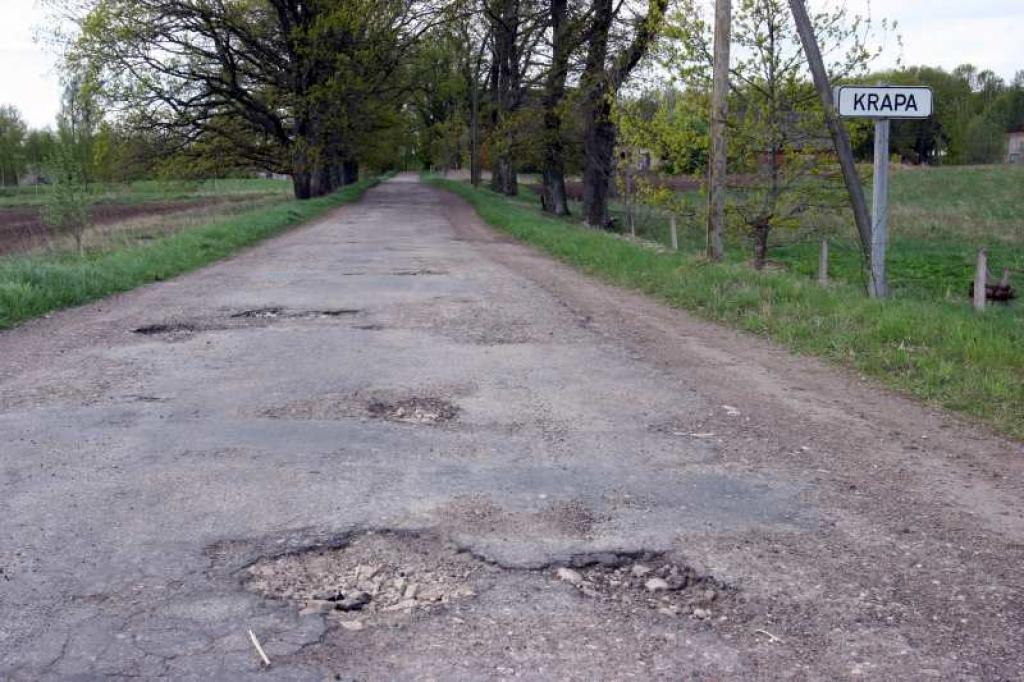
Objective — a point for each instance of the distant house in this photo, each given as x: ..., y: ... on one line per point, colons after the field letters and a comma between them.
x: 1015, y: 145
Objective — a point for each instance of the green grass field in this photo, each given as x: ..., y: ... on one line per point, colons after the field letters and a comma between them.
x: 939, y: 218
x: 35, y: 284
x: 921, y: 342
x: 155, y: 190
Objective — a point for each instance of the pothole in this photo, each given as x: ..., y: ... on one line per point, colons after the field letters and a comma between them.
x: 423, y: 407
x: 283, y: 313
x: 647, y: 579
x: 335, y: 312
x: 258, y: 314
x: 166, y: 328
x: 255, y: 318
x: 419, y: 410
x: 377, y: 575
x: 418, y: 273
x: 385, y: 576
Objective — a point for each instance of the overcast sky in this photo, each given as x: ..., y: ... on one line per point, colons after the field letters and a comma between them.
x: 987, y: 33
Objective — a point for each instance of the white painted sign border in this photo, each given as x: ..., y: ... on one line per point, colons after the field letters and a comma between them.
x: 884, y: 101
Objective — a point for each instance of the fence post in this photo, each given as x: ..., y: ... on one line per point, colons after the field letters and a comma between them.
x: 629, y: 198
x: 673, y: 233
x: 823, y: 264
x: 981, y: 280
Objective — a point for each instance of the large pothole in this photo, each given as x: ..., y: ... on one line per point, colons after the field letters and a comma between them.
x: 645, y: 578
x: 377, y: 575
x: 387, y: 575
x: 416, y: 410
x: 424, y: 408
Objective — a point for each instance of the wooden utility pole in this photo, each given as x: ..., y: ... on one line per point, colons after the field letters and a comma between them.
x: 839, y: 136
x: 719, y: 113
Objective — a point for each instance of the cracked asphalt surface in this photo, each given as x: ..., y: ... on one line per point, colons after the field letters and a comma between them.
x: 486, y: 401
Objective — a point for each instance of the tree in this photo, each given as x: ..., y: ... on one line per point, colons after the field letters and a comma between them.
x: 610, y: 59
x: 515, y: 29
x: 293, y: 85
x: 985, y: 141
x: 778, y: 141
x: 12, y: 138
x: 970, y: 104
x: 554, y: 199
x: 80, y: 118
x: 39, y: 146
x: 67, y: 204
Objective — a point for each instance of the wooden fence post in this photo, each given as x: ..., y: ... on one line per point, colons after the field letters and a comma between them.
x: 673, y: 233
x: 981, y: 280
x: 823, y: 264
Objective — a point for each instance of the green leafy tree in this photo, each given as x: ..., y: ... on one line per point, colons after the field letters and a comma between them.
x: 295, y: 86
x: 12, y: 137
x: 67, y: 204
x: 985, y: 140
x: 781, y: 158
x: 39, y: 146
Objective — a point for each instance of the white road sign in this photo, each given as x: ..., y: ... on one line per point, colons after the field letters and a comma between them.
x: 883, y: 101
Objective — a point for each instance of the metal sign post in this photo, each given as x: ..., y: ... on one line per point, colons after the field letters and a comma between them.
x: 882, y: 103
x: 880, y: 210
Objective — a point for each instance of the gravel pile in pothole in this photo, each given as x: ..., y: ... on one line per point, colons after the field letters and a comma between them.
x: 376, y: 576
x: 414, y: 410
x: 671, y: 588
x: 395, y: 406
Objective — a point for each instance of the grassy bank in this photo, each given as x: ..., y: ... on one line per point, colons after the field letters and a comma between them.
x: 939, y: 351
x: 33, y: 285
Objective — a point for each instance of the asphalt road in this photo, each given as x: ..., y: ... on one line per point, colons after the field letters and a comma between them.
x: 397, y: 386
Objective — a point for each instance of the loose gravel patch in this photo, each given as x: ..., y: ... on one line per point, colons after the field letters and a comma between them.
x: 377, y: 575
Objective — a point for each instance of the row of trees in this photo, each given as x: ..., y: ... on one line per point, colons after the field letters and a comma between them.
x: 313, y: 88
x: 974, y: 109
x: 532, y: 84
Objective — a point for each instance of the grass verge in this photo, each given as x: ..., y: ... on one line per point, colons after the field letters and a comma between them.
x: 34, y: 285
x: 941, y: 352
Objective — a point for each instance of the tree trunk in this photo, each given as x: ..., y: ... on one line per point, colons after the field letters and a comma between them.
x: 553, y: 197
x: 503, y: 178
x: 474, y: 134
x: 761, y: 230
x: 505, y: 91
x: 598, y: 131
x: 598, y: 163
x: 301, y: 184
x: 320, y: 181
x: 600, y: 82
x: 350, y: 171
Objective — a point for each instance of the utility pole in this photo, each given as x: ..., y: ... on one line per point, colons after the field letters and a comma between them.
x: 717, y: 167
x: 839, y: 136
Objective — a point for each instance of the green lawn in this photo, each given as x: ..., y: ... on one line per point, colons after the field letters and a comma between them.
x: 939, y: 218
x: 32, y: 285
x: 936, y: 349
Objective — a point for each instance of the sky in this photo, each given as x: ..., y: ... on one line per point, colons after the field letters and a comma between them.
x: 987, y: 33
